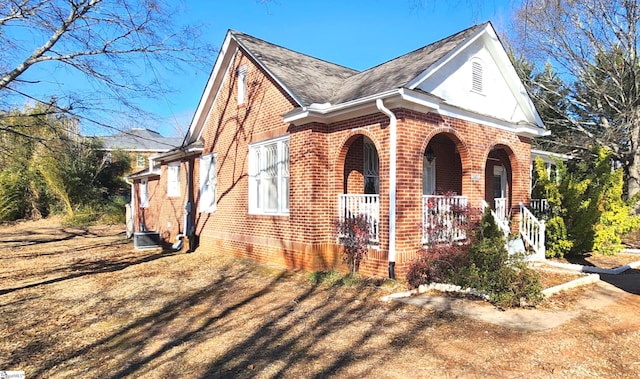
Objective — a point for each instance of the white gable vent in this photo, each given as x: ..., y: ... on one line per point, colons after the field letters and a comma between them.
x: 476, y: 76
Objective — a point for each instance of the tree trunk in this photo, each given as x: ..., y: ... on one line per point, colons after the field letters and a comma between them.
x: 633, y: 177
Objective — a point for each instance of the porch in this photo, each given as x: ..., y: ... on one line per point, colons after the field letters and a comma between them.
x: 444, y: 219
x: 437, y: 188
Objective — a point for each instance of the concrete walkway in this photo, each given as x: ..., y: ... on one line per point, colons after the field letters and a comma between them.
x: 603, y: 295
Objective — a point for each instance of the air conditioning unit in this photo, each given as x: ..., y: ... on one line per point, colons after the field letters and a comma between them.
x: 146, y: 240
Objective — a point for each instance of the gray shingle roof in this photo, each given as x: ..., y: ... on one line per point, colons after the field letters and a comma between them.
x: 398, y: 72
x: 140, y: 140
x: 312, y: 80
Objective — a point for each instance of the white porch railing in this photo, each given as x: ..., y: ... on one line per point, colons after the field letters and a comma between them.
x: 540, y: 207
x: 532, y: 231
x: 500, y: 207
x: 442, y: 219
x: 352, y: 205
x: 501, y: 221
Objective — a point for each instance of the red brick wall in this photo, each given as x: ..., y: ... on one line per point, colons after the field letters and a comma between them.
x: 448, y: 165
x: 164, y: 214
x: 326, y: 160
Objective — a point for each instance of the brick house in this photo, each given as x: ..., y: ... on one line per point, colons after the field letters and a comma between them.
x: 282, y: 144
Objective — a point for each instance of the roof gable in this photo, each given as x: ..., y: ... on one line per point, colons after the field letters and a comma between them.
x: 502, y: 95
x: 399, y: 72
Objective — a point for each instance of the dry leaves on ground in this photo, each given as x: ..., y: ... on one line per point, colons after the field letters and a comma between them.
x: 80, y: 302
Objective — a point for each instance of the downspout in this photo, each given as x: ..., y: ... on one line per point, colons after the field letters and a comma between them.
x: 392, y: 184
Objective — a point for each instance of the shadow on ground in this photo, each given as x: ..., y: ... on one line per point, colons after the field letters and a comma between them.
x: 628, y: 281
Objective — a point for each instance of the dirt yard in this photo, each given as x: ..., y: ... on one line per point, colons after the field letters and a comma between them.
x: 81, y: 303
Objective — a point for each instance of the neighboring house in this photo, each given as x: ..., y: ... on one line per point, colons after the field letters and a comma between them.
x: 283, y: 144
x: 139, y: 144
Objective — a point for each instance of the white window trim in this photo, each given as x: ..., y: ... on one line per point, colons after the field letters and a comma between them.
x: 143, y: 190
x: 255, y: 173
x: 173, y: 179
x: 241, y: 75
x: 208, y: 166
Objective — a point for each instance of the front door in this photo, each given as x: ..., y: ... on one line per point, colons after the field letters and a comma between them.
x: 428, y: 176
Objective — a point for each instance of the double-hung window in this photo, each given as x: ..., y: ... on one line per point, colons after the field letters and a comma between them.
x: 144, y: 193
x: 208, y: 183
x: 173, y: 179
x: 242, y: 84
x: 269, y: 177
x: 141, y: 161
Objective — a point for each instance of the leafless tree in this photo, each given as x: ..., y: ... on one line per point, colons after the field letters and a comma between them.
x: 593, y: 45
x: 95, y: 60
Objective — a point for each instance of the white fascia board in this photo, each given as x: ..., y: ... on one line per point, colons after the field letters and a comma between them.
x: 159, y: 151
x: 323, y: 112
x: 177, y: 153
x: 524, y: 130
x: 401, y: 97
x: 213, y: 84
x: 145, y: 174
x: 424, y: 99
x: 444, y: 60
x: 549, y: 155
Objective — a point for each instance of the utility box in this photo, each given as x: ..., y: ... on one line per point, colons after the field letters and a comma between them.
x: 146, y: 240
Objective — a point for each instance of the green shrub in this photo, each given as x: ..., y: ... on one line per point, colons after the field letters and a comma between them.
x: 589, y: 213
x: 114, y: 211
x: 615, y: 219
x: 557, y: 241
x: 484, y: 264
x: 505, y: 278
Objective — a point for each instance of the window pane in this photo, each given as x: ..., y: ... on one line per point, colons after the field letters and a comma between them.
x: 207, y: 183
x: 272, y: 193
x: 285, y: 195
x: 173, y: 180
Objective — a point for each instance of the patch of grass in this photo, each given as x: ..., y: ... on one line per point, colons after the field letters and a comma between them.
x: 327, y: 278
x: 81, y: 218
x: 333, y: 278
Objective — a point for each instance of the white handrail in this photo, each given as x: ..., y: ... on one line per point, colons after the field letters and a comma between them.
x: 503, y: 223
x: 532, y: 231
